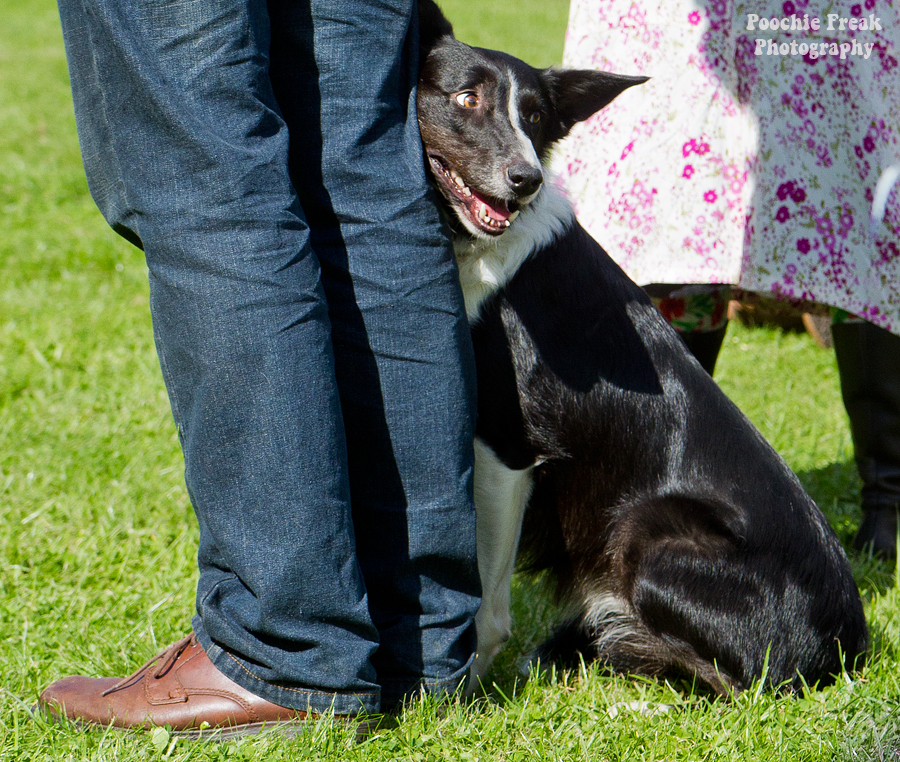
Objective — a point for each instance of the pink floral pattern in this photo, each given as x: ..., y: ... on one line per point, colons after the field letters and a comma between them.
x: 728, y: 167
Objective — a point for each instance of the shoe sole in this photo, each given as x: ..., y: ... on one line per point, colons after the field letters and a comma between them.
x: 288, y: 728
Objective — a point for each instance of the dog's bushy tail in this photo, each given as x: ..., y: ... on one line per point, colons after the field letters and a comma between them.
x: 609, y: 633
x: 666, y: 628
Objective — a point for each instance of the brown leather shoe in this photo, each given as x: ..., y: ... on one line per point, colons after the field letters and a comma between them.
x: 179, y: 688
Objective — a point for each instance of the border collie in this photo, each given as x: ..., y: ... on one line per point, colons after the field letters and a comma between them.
x: 678, y: 539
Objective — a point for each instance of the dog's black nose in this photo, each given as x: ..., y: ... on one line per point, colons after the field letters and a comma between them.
x: 524, y: 178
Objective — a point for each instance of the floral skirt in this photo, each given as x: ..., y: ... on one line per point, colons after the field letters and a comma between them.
x: 752, y: 157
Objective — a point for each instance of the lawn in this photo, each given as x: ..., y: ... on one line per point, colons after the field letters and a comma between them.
x: 98, y: 538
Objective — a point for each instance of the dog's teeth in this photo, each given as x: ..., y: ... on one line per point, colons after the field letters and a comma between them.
x: 506, y: 223
x: 466, y: 191
x: 513, y: 215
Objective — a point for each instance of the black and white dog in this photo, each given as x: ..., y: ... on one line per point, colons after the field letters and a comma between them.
x: 679, y: 540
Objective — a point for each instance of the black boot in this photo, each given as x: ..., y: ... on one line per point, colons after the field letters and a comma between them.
x: 868, y: 359
x: 705, y: 345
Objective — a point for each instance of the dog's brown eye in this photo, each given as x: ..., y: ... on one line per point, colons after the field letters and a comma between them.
x: 535, y: 117
x: 467, y: 100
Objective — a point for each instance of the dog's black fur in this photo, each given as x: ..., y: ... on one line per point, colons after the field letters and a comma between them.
x: 679, y: 540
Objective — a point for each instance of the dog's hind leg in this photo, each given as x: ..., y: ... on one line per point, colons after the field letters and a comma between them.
x: 600, y: 626
x: 569, y: 644
x: 501, y: 495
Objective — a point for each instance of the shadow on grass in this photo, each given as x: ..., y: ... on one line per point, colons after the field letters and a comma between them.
x: 835, y: 488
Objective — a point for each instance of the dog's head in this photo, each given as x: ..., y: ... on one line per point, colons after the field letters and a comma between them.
x: 488, y: 121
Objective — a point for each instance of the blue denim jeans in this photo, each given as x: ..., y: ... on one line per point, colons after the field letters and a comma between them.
x: 310, y: 328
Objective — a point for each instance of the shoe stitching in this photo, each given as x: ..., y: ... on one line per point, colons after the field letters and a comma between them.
x: 165, y: 656
x: 242, y: 703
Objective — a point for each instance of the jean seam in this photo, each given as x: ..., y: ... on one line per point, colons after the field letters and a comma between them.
x: 170, y: 384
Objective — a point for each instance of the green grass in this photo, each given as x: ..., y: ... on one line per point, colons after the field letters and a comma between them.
x: 98, y: 539
x: 532, y: 30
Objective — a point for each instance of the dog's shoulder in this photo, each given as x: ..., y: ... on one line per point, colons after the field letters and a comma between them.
x: 570, y: 284
x: 569, y: 317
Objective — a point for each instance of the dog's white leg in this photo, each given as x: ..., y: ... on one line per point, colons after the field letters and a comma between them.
x: 501, y: 494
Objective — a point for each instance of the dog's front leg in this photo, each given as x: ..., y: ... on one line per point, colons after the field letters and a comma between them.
x: 501, y: 495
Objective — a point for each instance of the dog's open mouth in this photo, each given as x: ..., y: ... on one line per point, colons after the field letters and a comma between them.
x: 487, y: 215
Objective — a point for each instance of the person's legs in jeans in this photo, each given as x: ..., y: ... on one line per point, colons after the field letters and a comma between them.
x: 186, y: 151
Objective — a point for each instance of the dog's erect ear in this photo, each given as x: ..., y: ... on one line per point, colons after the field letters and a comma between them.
x: 580, y: 93
x: 433, y: 25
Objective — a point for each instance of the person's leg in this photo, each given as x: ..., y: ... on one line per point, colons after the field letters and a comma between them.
x: 401, y: 339
x: 699, y: 313
x: 186, y: 152
x: 868, y: 359
x: 186, y: 155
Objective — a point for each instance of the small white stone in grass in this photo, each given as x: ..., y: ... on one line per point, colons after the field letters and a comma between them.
x: 643, y: 708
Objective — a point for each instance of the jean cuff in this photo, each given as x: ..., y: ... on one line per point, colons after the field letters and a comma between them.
x: 302, y: 699
x: 395, y: 693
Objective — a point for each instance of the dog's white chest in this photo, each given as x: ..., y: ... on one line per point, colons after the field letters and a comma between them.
x: 486, y: 266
